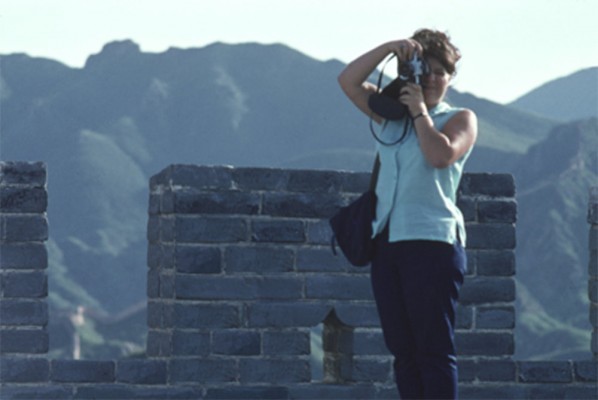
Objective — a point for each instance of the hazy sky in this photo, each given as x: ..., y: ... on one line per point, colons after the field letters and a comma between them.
x: 509, y: 46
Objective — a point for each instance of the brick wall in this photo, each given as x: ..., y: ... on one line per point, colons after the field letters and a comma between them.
x: 240, y: 272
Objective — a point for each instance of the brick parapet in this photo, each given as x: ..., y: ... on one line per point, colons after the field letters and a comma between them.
x: 239, y: 272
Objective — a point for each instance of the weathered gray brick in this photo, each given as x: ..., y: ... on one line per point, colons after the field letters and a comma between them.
x: 491, y: 236
x: 238, y: 287
x: 25, y: 341
x: 236, y: 342
x: 490, y: 211
x: 259, y: 259
x: 24, y: 370
x: 192, y: 201
x: 23, y: 228
x: 278, y: 231
x: 502, y: 317
x: 281, y: 315
x: 159, y: 343
x: 496, y: 370
x: 545, y: 371
x: 206, y: 316
x: 139, y: 371
x: 198, y: 259
x: 319, y: 232
x: 80, y: 371
x: 190, y: 343
x: 190, y: 229
x: 354, y: 287
x: 482, y: 290
x: 23, y: 312
x: 495, y: 262
x: 314, y: 181
x: 362, y: 314
x: 323, y: 260
x: 23, y: 256
x: 464, y: 317
x: 274, y: 370
x: 369, y: 342
x: 301, y: 205
x: 203, y: 370
x: 19, y: 199
x: 484, y: 343
x: 201, y: 177
x: 22, y: 173
x: 467, y: 205
x: 286, y: 342
x: 269, y: 179
x: 494, y: 185
x: 586, y: 371
x: 372, y: 370
x: 38, y: 391
x: 25, y: 284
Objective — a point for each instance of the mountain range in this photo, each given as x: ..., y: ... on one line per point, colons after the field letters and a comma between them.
x: 106, y: 128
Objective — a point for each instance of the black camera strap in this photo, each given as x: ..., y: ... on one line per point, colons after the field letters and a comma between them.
x: 378, y: 90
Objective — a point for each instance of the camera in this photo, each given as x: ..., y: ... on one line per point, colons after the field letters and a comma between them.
x: 386, y: 103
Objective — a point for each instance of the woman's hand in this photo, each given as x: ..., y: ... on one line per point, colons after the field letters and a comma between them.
x: 413, y: 97
x: 405, y: 48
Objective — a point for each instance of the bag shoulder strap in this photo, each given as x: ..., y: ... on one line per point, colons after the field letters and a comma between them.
x: 375, y: 172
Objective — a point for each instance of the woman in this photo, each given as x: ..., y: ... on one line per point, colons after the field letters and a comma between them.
x: 419, y: 260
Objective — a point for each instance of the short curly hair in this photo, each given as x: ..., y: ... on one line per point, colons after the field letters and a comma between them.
x: 437, y: 45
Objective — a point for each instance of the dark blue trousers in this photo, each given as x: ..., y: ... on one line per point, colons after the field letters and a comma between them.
x: 416, y: 286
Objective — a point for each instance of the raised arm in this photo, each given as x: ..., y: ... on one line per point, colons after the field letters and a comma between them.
x: 353, y: 79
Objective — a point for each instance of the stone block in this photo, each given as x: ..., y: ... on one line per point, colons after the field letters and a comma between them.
x: 372, y: 370
x: 492, y: 211
x: 248, y: 393
x: 153, y: 284
x: 143, y: 372
x: 492, y: 391
x: 315, y: 181
x: 236, y: 342
x: 24, y: 370
x: 200, y: 177
x: 195, y: 287
x: 486, y: 184
x: 167, y: 285
x: 586, y: 371
x: 495, y: 262
x: 490, y: 236
x: 159, y: 343
x: 286, y: 342
x: 358, y: 314
x: 25, y: 284
x: 319, y: 232
x: 23, y: 256
x: 19, y: 199
x: 301, y: 205
x: 286, y: 315
x: 259, y: 259
x: 23, y: 341
x: 468, y: 207
x: 464, y: 317
x: 261, y: 179
x: 326, y: 286
x: 326, y: 391
x: 38, y: 391
x: 191, y: 229
x: 468, y: 370
x: 545, y: 372
x: 483, y: 290
x: 369, y: 342
x: 186, y: 343
x: 204, y: 370
x: 502, y: 317
x: 484, y: 343
x: 23, y: 312
x: 23, y: 228
x: 192, y: 201
x: 22, y: 173
x: 206, y: 316
x: 496, y: 370
x: 274, y: 371
x: 82, y: 371
x: 278, y: 231
x: 123, y: 391
x: 311, y: 259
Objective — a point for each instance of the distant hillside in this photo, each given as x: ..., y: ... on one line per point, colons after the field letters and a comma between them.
x: 569, y: 98
x: 103, y: 130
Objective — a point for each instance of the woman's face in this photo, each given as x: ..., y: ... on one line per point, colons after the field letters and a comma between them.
x: 436, y: 83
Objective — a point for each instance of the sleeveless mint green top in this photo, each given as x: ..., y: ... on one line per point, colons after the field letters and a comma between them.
x: 416, y: 200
